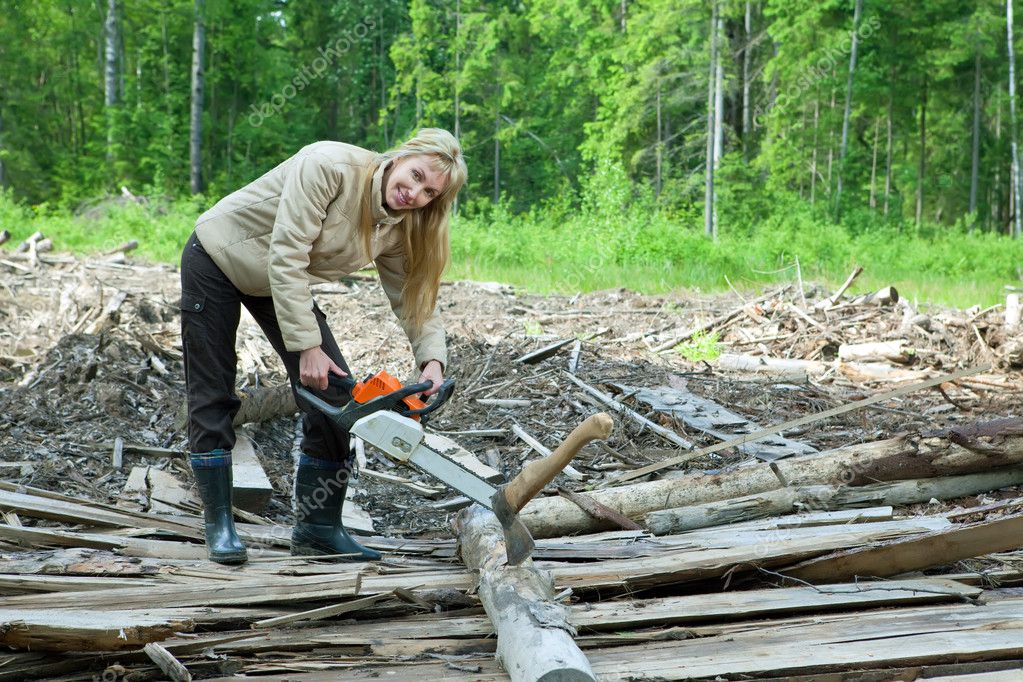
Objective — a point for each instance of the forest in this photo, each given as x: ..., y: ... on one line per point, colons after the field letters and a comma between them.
x: 836, y: 122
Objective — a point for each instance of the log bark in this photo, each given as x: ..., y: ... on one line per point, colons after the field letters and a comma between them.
x: 792, y: 370
x: 534, y: 636
x: 261, y: 404
x: 1012, y: 313
x: 828, y: 497
x: 964, y: 450
x: 882, y: 297
x: 897, y: 351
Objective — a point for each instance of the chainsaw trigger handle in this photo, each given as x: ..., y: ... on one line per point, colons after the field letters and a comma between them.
x: 346, y: 384
x: 439, y: 398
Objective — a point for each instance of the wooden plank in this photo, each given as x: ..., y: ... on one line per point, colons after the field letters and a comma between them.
x: 680, y: 564
x: 21, y: 584
x: 168, y: 495
x: 934, y: 549
x: 750, y: 604
x: 903, y: 636
x: 52, y: 630
x: 71, y: 510
x: 252, y: 489
x: 713, y: 419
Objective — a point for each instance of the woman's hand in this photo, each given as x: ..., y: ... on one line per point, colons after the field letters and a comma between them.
x: 433, y: 371
x: 313, y: 366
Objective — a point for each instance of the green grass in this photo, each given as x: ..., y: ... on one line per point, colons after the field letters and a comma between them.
x: 161, y: 227
x: 558, y: 249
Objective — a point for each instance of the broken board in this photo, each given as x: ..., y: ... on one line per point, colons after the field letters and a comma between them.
x: 713, y: 419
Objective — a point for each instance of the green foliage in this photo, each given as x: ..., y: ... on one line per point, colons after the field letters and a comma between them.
x: 701, y: 347
x: 584, y: 123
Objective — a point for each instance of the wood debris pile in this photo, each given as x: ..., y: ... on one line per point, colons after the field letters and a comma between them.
x: 878, y: 543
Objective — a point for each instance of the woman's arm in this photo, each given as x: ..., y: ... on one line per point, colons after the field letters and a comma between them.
x: 311, y: 183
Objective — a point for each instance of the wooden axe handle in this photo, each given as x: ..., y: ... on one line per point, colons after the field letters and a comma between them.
x: 535, y: 475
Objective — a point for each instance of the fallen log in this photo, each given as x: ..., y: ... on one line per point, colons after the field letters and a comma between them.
x: 898, y: 351
x: 783, y: 368
x: 261, y: 404
x: 963, y: 450
x: 827, y: 497
x: 534, y: 635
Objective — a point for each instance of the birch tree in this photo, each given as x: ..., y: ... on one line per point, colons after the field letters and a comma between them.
x: 844, y: 145
x: 111, y: 41
x: 195, y: 123
x: 1017, y: 184
x: 708, y: 204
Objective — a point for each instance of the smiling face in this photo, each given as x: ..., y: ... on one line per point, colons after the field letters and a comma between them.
x: 412, y: 182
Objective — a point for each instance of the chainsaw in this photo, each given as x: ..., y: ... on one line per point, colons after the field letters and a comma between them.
x: 376, y: 392
x: 390, y: 417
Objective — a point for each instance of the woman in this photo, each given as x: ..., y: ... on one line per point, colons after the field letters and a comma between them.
x: 322, y: 214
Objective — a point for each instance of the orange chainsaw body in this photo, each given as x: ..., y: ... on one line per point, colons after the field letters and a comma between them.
x: 380, y: 384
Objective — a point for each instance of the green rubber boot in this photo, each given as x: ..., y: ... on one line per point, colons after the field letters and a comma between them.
x: 320, y: 488
x: 212, y: 471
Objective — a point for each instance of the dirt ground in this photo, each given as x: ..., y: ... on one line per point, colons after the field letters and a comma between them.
x: 90, y: 352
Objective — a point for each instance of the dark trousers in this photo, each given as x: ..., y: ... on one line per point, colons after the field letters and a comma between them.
x: 210, y: 311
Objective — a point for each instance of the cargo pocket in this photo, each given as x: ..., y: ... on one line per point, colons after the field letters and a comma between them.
x: 193, y: 319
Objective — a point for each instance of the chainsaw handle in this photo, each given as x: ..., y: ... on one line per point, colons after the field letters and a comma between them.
x: 318, y: 402
x: 346, y: 383
x: 439, y: 398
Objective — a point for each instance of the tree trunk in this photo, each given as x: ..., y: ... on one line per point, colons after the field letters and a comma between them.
x: 3, y: 168
x: 111, y: 41
x: 458, y: 69
x: 889, y: 149
x: 828, y: 497
x: 873, y: 165
x: 813, y: 154
x: 195, y: 124
x: 952, y: 453
x: 1017, y: 183
x: 658, y: 148
x: 534, y: 637
x: 996, y: 201
x: 747, y: 60
x: 831, y: 137
x: 497, y: 155
x: 844, y: 145
x: 975, y: 156
x: 381, y: 54
x: 921, y: 172
x: 719, y: 111
x: 708, y: 202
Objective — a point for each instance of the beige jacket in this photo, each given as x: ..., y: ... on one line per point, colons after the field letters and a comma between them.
x: 298, y: 225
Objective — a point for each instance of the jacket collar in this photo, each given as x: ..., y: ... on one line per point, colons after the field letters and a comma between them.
x: 381, y: 214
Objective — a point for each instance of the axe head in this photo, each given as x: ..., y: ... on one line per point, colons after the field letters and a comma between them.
x: 518, y: 541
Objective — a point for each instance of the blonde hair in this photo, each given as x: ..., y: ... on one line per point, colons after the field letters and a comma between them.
x: 427, y: 249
